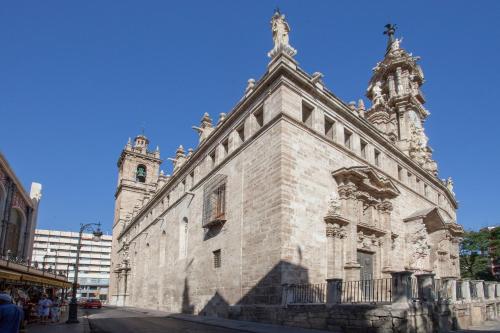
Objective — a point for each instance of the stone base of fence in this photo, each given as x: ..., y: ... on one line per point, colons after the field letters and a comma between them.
x: 418, y: 317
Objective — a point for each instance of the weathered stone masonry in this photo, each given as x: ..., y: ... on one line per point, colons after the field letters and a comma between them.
x: 292, y: 186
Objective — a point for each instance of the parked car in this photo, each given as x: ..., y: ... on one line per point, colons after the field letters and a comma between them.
x: 93, y: 303
x: 81, y: 301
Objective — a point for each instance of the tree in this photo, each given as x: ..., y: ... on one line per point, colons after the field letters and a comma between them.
x: 477, y: 250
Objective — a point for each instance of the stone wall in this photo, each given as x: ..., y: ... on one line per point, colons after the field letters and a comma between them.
x: 344, y: 318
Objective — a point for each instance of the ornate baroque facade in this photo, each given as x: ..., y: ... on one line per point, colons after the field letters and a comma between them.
x: 292, y: 186
x: 18, y: 214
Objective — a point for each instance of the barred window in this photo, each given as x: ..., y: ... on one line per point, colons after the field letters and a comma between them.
x: 214, y: 201
x: 217, y: 258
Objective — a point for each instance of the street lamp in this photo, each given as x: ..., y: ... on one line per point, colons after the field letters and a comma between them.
x: 73, y: 306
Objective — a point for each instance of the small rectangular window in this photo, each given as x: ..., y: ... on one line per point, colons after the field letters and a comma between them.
x: 417, y: 184
x: 400, y: 173
x: 329, y: 128
x: 307, y: 114
x: 259, y: 117
x: 363, y: 146
x: 214, y: 201
x: 212, y: 159
x: 241, y: 133
x: 225, y: 146
x: 191, y: 179
x: 377, y: 158
x: 426, y: 190
x: 217, y: 258
x: 347, y: 139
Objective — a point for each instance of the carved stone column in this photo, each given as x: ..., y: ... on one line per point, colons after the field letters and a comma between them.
x: 335, y: 233
x: 347, y: 193
x: 385, y: 209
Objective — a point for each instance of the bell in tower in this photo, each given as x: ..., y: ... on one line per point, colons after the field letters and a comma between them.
x: 397, y: 101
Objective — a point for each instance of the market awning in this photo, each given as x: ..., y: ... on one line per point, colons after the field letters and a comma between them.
x: 9, y: 275
x: 45, y: 281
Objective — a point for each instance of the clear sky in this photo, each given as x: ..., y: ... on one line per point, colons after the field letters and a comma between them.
x: 77, y: 78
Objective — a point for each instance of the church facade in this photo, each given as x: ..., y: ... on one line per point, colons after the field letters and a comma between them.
x: 293, y: 186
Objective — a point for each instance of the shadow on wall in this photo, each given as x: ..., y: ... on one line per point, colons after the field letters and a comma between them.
x: 267, y: 291
x: 186, y: 306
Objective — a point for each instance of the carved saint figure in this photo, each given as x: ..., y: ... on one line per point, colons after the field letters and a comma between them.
x: 334, y: 204
x: 449, y: 184
x: 395, y: 44
x: 280, y: 30
x: 377, y: 93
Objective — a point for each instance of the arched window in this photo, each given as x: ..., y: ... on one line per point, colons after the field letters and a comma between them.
x: 14, y: 232
x: 140, y: 174
x: 183, y: 238
x: 163, y: 248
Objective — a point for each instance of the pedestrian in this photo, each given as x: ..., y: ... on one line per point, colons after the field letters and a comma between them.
x: 55, y: 311
x: 10, y: 315
x: 44, y: 305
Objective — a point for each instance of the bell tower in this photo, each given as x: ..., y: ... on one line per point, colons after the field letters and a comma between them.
x: 398, y: 103
x: 138, y: 170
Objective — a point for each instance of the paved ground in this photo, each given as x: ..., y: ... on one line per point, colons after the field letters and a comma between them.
x: 111, y: 320
x: 134, y: 320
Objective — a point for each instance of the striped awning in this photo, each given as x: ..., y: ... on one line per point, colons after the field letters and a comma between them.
x: 33, y: 279
x: 7, y: 275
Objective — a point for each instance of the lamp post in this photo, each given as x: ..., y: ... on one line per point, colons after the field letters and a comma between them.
x: 73, y: 306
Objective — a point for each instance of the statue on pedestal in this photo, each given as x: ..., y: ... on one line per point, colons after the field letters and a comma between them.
x: 280, y: 29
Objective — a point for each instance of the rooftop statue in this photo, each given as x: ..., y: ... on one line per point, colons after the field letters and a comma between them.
x: 280, y: 29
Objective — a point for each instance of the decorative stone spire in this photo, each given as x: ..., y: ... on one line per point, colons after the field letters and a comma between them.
x: 397, y: 102
x: 205, y: 128
x: 180, y: 158
x: 250, y: 87
x: 280, y: 29
x: 222, y: 118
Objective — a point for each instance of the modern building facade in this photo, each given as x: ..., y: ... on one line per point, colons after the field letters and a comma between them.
x: 18, y: 214
x: 293, y: 186
x: 56, y: 250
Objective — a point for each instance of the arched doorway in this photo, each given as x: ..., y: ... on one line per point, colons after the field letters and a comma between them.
x: 14, y: 232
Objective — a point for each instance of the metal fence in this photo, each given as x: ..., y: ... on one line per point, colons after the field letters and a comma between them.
x: 367, y: 291
x: 306, y: 293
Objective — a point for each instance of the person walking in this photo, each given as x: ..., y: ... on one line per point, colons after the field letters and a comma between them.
x: 10, y: 315
x: 55, y: 311
x: 44, y: 305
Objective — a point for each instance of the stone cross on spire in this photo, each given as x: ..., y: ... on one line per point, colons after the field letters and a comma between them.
x: 390, y: 30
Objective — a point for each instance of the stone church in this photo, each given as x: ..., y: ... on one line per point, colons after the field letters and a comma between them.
x: 292, y: 186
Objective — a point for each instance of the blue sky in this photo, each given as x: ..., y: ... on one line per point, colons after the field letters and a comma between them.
x: 78, y: 78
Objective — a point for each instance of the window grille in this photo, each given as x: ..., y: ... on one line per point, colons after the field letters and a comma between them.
x: 214, y: 201
x: 217, y: 259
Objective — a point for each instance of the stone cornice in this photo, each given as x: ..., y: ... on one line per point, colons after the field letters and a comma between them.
x: 147, y: 156
x: 342, y: 109
x: 283, y: 74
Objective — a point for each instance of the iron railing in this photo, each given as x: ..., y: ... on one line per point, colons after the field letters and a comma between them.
x: 367, y: 291
x: 306, y: 293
